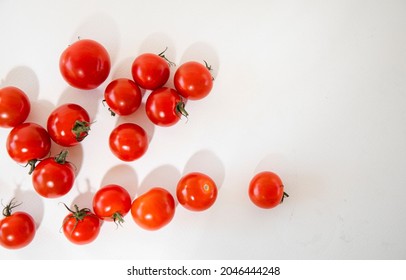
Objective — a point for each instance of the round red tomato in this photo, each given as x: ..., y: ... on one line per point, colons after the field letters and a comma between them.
x: 123, y: 96
x: 85, y: 64
x: 53, y: 177
x: 28, y: 142
x: 17, y: 230
x: 14, y: 107
x: 196, y: 191
x: 154, y: 209
x: 81, y: 226
x: 164, y: 107
x: 193, y: 80
x: 128, y: 141
x: 68, y: 124
x: 111, y: 203
x: 151, y: 71
x: 266, y: 190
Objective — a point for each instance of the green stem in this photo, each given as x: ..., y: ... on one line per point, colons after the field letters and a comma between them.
x: 81, y: 130
x: 170, y: 63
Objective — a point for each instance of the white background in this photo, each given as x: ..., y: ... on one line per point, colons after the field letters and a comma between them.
x: 312, y: 90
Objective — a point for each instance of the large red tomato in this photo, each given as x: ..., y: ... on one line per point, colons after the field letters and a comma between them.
x: 14, y: 107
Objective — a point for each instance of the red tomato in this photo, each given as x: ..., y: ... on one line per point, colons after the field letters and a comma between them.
x: 17, y: 230
x: 81, y: 226
x: 54, y: 177
x: 266, y: 190
x: 28, y: 142
x: 151, y: 71
x: 164, y: 107
x: 196, y: 191
x: 123, y: 96
x: 85, y: 64
x: 153, y: 209
x: 111, y: 203
x: 128, y: 141
x: 14, y: 107
x: 68, y: 124
x: 193, y: 80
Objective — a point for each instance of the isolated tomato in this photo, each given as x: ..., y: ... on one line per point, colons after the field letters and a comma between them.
x: 54, y: 176
x: 81, y: 226
x: 111, y: 203
x: 193, y: 80
x: 14, y: 106
x: 128, y: 141
x: 151, y: 71
x: 266, y: 190
x: 153, y: 209
x: 28, y: 142
x: 196, y: 191
x: 85, y: 64
x: 17, y: 230
x: 123, y: 97
x: 68, y: 124
x: 164, y: 107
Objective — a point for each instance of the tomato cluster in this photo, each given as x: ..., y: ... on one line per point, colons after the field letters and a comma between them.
x: 86, y: 65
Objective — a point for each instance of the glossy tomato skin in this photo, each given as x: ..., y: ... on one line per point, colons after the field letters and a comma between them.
x: 150, y: 71
x: 62, y: 122
x: 14, y: 106
x: 28, y: 141
x: 196, y: 191
x: 163, y: 106
x: 85, y: 64
x: 154, y: 209
x: 111, y: 203
x: 193, y: 80
x: 128, y: 141
x: 123, y: 96
x: 266, y: 190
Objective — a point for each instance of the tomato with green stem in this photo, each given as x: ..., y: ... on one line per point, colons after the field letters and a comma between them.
x: 14, y: 106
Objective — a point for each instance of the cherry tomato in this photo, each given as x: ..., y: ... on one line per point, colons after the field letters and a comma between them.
x: 68, y: 124
x: 154, y: 209
x: 54, y: 176
x: 28, y: 142
x: 128, y: 141
x: 81, y: 226
x: 164, y: 107
x: 266, y: 190
x: 14, y: 107
x: 193, y: 80
x: 151, y: 71
x: 123, y: 96
x: 196, y: 191
x: 111, y: 203
x: 18, y: 229
x: 85, y: 64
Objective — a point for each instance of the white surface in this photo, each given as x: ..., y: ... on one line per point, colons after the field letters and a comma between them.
x: 313, y: 90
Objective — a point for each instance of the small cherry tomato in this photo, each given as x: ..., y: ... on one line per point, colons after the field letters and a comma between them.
x: 164, y: 107
x: 266, y: 190
x: 123, y: 97
x: 14, y: 107
x: 196, y: 191
x: 68, y: 124
x: 128, y: 141
x: 193, y: 80
x: 85, y: 64
x: 153, y: 209
x: 17, y: 230
x: 111, y: 203
x: 54, y: 176
x: 81, y: 226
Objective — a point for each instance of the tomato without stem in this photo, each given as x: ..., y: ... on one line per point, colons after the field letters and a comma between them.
x: 68, y: 124
x: 85, y: 64
x: 123, y: 97
x: 14, y: 106
x: 266, y: 190
x: 128, y: 141
x: 154, y: 209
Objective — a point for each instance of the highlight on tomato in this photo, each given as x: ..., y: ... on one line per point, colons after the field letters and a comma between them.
x: 15, y: 106
x: 123, y: 96
x: 18, y: 229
